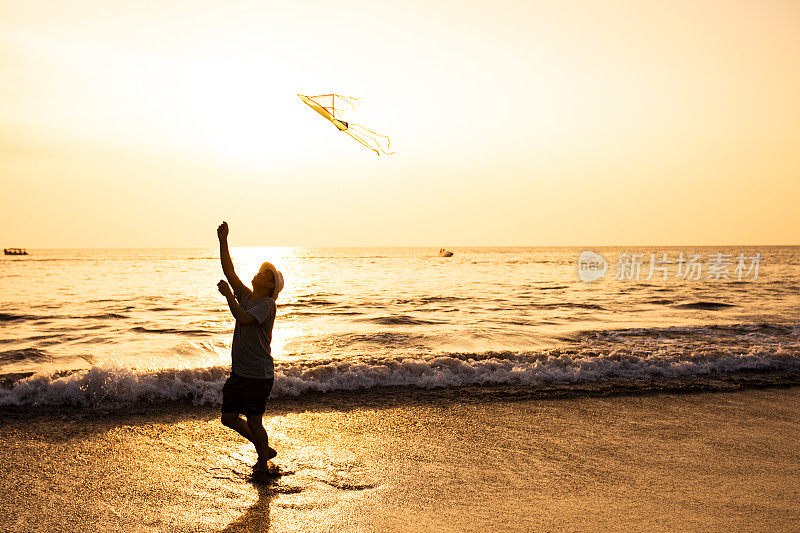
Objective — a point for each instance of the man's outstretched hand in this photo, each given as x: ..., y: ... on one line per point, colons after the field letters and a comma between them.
x: 224, y: 288
x: 222, y: 231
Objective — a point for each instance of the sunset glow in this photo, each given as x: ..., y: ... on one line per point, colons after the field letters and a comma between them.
x: 515, y: 124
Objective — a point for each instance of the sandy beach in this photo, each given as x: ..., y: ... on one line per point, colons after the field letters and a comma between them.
x: 443, y: 460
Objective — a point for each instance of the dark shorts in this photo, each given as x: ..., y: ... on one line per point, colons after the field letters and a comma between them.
x: 247, y: 396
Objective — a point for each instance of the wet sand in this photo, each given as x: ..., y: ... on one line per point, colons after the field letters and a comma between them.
x: 450, y: 460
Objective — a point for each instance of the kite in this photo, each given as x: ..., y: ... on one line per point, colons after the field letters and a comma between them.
x: 331, y: 106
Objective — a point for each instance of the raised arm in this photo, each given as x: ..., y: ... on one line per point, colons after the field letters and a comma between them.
x: 225, y: 258
x: 236, y: 310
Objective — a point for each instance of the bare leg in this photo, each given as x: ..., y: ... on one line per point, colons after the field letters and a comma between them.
x: 260, y: 439
x: 237, y: 423
x: 253, y: 431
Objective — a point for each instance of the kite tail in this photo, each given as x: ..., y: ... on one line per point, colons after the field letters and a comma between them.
x: 351, y: 101
x: 374, y: 141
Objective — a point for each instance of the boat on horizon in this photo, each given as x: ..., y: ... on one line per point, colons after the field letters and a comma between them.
x: 445, y: 253
x: 15, y: 251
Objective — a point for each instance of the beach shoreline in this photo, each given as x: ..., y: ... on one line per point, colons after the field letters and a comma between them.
x: 414, y: 460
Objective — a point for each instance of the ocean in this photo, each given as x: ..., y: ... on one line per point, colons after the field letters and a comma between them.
x: 116, y: 327
x: 494, y: 390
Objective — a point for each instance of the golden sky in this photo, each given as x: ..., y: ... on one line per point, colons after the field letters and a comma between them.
x: 134, y: 124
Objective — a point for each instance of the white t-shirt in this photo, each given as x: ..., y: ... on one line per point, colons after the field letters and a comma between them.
x: 250, y: 353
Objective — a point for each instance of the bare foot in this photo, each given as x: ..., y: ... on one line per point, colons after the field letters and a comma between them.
x: 264, y: 463
x: 262, y: 475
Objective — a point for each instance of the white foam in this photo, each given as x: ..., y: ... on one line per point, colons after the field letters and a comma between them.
x: 590, y: 362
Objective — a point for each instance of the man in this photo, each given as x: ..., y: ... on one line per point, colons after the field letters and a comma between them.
x: 248, y: 387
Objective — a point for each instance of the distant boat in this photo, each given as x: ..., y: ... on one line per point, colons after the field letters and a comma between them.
x: 445, y: 253
x: 15, y: 251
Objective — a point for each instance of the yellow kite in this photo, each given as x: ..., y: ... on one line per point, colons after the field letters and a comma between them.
x: 331, y: 106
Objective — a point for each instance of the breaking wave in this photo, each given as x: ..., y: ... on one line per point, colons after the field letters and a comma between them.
x: 648, y: 355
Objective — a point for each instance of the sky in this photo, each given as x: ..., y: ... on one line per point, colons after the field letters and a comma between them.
x: 571, y: 123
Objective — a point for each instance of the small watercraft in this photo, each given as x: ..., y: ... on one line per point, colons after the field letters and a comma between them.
x: 445, y: 253
x: 15, y: 251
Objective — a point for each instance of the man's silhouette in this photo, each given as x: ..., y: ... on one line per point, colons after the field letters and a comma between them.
x: 248, y: 387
